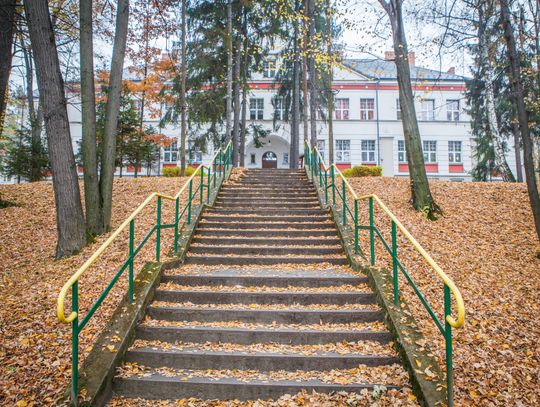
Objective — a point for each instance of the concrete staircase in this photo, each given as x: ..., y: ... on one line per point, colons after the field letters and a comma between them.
x: 263, y: 308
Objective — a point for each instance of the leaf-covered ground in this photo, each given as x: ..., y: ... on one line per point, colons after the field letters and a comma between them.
x: 485, y: 242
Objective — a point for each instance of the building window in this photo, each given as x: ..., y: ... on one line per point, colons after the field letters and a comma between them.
x: 430, y: 151
x: 343, y: 151
x: 401, y: 152
x: 170, y: 153
x: 367, y: 109
x: 398, y: 109
x: 454, y: 152
x: 285, y: 158
x: 252, y: 159
x: 269, y: 68
x: 256, y: 108
x: 342, y: 109
x: 368, y: 151
x: 452, y: 110
x: 279, y: 108
x: 427, y: 110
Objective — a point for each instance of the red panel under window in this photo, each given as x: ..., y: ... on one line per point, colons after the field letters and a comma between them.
x: 369, y: 164
x: 131, y: 168
x: 432, y: 167
x: 80, y: 168
x: 456, y: 168
x: 403, y: 167
x: 169, y: 165
x: 342, y: 167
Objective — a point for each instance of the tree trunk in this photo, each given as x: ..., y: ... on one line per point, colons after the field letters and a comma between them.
x: 492, y: 122
x: 312, y: 75
x: 112, y: 110
x: 183, y: 128
x: 245, y: 87
x: 69, y: 213
x: 236, y: 93
x: 422, y: 199
x: 295, y: 136
x: 517, y: 152
x: 92, y: 195
x: 523, y: 116
x: 228, y: 105
x: 330, y: 79
x: 34, y: 114
x: 7, y: 31
x: 305, y: 91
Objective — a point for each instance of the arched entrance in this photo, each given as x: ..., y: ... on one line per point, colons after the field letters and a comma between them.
x: 269, y: 160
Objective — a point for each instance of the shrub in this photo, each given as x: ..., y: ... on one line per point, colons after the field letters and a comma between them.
x: 177, y: 171
x: 363, y: 171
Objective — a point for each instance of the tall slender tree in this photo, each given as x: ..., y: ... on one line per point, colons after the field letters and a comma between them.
x: 422, y: 199
x: 328, y: 16
x: 229, y: 46
x: 522, y: 113
x: 7, y: 31
x: 112, y: 109
x: 69, y: 214
x: 183, y: 73
x: 92, y: 194
x: 312, y: 50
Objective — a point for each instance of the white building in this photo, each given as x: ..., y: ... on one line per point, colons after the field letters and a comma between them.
x: 367, y: 125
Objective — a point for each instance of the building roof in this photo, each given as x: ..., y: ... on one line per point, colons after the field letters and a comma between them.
x: 382, y: 69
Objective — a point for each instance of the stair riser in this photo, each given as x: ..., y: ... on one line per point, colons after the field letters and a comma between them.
x: 260, y: 362
x: 265, y: 316
x: 269, y: 195
x: 269, y: 205
x: 263, y: 261
x: 267, y: 251
x: 268, y: 189
x: 247, y: 337
x: 175, y: 389
x: 266, y: 225
x: 250, y: 281
x: 268, y: 211
x: 291, y: 219
x: 217, y: 297
x: 284, y: 233
x: 265, y: 242
x: 263, y: 198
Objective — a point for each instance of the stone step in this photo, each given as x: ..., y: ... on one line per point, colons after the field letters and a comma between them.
x: 326, y: 224
x: 263, y: 198
x: 161, y: 387
x: 268, y: 188
x: 269, y: 205
x: 269, y: 211
x: 268, y: 233
x: 263, y: 260
x: 323, y: 217
x: 266, y: 242
x: 262, y: 250
x: 247, y: 336
x: 291, y: 316
x: 263, y: 361
x: 270, y: 193
x: 245, y: 297
x: 233, y: 278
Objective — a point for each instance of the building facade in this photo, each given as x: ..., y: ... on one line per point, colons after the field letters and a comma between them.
x: 367, y: 122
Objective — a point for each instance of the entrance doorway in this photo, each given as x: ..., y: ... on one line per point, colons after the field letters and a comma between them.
x: 269, y: 160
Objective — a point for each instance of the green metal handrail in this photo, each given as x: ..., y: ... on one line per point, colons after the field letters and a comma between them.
x: 220, y: 168
x: 320, y: 175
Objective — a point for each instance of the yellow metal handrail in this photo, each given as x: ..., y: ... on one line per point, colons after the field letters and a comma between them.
x: 60, y: 308
x: 444, y: 277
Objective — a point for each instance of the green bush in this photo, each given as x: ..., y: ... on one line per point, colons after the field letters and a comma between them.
x: 363, y: 171
x: 177, y: 171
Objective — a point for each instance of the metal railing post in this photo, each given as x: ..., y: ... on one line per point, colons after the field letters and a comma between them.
x: 208, y: 188
x: 448, y: 347
x: 201, y: 186
x: 356, y: 248
x: 371, y: 232
x: 190, y: 197
x: 131, y: 259
x: 176, y: 222
x: 333, y: 173
x: 75, y: 345
x: 344, y: 191
x: 395, y: 264
x: 158, y: 230
x: 326, y: 186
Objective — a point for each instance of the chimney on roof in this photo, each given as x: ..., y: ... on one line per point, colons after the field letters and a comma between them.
x: 452, y: 70
x: 391, y: 56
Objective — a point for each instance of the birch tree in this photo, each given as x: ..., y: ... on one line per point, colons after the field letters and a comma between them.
x: 7, y: 31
